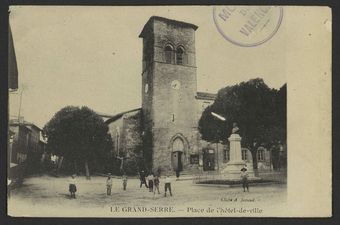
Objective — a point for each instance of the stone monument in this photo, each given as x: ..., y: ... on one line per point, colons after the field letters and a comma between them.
x: 235, y: 164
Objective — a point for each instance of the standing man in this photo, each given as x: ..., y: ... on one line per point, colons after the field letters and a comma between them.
x: 156, y: 183
x: 142, y: 179
x: 124, y: 179
x: 109, y: 184
x: 177, y: 174
x: 167, y: 185
x: 150, y: 180
x: 244, y: 177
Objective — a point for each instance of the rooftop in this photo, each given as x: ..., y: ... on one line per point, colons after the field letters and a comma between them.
x: 167, y: 20
x: 119, y: 115
x: 206, y: 95
x: 15, y: 122
x: 104, y: 115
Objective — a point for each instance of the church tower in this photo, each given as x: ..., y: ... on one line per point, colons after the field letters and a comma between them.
x: 169, y: 87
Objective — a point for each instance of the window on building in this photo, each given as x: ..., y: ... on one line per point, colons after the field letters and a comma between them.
x: 244, y: 154
x: 260, y: 154
x: 194, y: 159
x: 179, y: 55
x: 168, y: 51
x: 226, y: 155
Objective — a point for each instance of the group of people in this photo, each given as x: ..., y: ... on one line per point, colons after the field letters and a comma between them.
x: 152, y: 182
x: 73, y: 184
x: 109, y: 183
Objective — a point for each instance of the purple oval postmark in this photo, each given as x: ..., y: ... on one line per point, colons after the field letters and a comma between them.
x: 247, y: 26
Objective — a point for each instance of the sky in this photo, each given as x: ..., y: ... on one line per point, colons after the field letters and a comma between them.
x: 92, y: 56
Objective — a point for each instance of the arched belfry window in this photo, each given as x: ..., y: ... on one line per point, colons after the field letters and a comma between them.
x: 178, y: 145
x: 180, y: 55
x: 168, y: 51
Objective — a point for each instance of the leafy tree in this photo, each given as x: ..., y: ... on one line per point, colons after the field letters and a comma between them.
x: 79, y: 135
x: 259, y: 111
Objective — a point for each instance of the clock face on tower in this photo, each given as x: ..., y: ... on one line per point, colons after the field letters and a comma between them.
x: 175, y: 84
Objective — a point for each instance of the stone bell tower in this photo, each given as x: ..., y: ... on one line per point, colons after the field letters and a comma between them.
x: 169, y: 87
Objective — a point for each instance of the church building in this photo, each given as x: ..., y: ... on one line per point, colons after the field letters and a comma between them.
x: 165, y: 129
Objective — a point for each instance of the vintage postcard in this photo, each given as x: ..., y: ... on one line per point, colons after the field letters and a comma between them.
x: 169, y: 111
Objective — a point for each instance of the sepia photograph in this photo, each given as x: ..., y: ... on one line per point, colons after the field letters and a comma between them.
x: 168, y: 111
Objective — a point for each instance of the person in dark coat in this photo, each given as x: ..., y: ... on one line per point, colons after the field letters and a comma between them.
x: 142, y: 179
x: 73, y: 186
x: 124, y: 179
x: 156, y: 184
x: 108, y: 184
x: 177, y: 174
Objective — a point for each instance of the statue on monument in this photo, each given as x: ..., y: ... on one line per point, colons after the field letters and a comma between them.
x: 235, y: 129
x: 236, y: 164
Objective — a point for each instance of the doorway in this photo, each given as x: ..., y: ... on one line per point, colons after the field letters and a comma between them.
x: 177, y: 154
x: 208, y: 160
x: 177, y: 161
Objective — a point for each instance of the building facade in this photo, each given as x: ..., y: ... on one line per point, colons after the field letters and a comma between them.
x: 26, y: 147
x: 165, y: 128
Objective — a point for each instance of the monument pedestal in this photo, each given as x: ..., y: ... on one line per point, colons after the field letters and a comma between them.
x: 235, y: 164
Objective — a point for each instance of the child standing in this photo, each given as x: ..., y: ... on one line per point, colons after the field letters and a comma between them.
x: 109, y: 184
x: 244, y: 176
x: 124, y: 179
x: 167, y: 185
x: 73, y: 186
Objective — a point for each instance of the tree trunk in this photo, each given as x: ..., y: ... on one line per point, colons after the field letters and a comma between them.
x: 254, y: 155
x: 87, y: 170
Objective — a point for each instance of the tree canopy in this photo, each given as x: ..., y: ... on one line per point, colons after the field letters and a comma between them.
x: 259, y: 111
x: 78, y: 134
